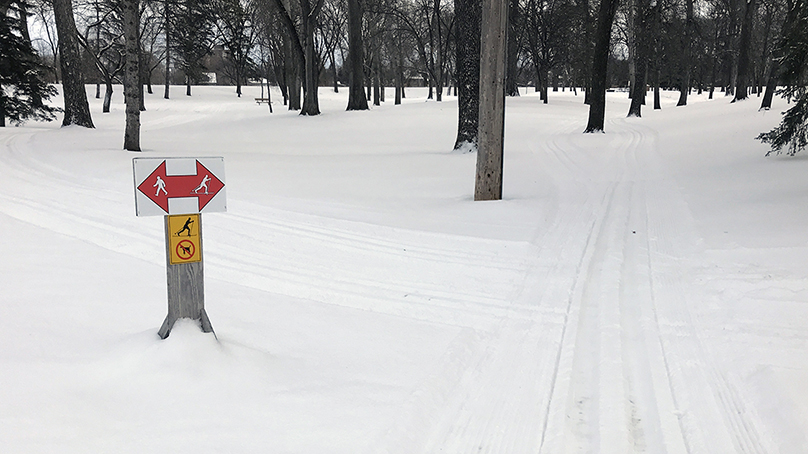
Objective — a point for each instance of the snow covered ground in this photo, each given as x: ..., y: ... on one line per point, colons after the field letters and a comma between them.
x: 643, y: 290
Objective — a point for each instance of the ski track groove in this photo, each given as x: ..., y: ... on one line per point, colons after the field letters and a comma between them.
x: 668, y: 270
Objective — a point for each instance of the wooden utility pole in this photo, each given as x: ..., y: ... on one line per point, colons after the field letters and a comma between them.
x: 493, y: 45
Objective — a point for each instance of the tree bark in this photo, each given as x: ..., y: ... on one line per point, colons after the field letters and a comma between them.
x: 167, y: 24
x: 2, y: 107
x: 511, y: 85
x: 311, y: 103
x: 684, y: 88
x: 467, y: 27
x: 742, y: 80
x: 375, y: 81
x: 334, y: 70
x: 643, y: 39
x: 107, y: 96
x: 600, y: 62
x: 77, y: 108
x: 439, y: 54
x: 292, y: 75
x: 132, y: 88
x: 356, y: 94
x: 771, y: 86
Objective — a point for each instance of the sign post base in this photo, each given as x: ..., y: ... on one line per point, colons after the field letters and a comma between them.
x: 184, y: 272
x: 168, y: 324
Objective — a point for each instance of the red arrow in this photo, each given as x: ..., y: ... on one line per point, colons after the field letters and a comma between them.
x: 159, y: 187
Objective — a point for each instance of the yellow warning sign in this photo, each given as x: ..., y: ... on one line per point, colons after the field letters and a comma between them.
x: 184, y: 244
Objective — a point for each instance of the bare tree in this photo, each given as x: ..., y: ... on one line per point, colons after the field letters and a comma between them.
x: 600, y: 61
x: 742, y: 81
x: 131, y: 91
x: 356, y: 95
x: 77, y: 108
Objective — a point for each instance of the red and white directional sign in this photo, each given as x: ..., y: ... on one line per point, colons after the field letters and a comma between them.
x: 179, y: 185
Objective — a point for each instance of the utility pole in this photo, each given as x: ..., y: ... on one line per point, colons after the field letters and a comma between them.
x: 493, y: 52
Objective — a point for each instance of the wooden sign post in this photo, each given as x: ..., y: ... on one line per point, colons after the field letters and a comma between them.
x: 185, y: 275
x: 181, y: 189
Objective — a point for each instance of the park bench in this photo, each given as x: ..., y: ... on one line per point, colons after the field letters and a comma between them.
x: 262, y: 100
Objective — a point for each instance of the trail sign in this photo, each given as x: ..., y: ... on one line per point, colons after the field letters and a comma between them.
x: 184, y: 245
x: 180, y: 189
x: 179, y: 185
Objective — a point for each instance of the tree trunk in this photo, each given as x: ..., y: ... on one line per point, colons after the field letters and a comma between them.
x: 187, y: 85
x: 97, y: 44
x: 292, y: 75
x: 167, y: 24
x: 742, y: 81
x: 107, y: 96
x: 511, y: 85
x: 771, y: 86
x: 2, y: 107
x: 600, y: 62
x: 792, y: 13
x: 269, y: 94
x: 132, y: 87
x: 642, y: 52
x: 375, y: 81
x: 687, y: 64
x: 334, y: 70
x: 311, y: 103
x: 141, y: 76
x: 657, y: 103
x: 356, y: 94
x: 467, y: 51
x: 399, y: 71
x: 439, y: 53
x: 77, y: 108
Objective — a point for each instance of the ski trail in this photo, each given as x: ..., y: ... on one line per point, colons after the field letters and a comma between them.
x: 612, y: 392
x: 497, y: 396
x: 700, y: 393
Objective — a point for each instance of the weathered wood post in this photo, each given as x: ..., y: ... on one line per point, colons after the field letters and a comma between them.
x: 493, y: 52
x: 185, y: 277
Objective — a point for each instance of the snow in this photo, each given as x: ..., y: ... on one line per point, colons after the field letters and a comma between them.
x: 642, y: 290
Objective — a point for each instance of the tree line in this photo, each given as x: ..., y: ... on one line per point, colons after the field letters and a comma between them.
x: 737, y: 48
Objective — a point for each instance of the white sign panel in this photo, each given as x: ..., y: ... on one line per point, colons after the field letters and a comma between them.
x: 179, y: 185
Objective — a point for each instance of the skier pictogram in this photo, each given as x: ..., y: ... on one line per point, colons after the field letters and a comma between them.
x: 186, y: 227
x: 202, y: 185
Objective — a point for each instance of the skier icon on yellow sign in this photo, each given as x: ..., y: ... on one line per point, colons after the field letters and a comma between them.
x: 186, y: 227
